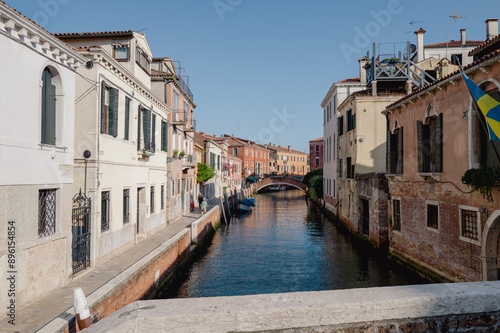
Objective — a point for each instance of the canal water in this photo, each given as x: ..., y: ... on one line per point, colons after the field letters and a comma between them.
x: 284, y: 245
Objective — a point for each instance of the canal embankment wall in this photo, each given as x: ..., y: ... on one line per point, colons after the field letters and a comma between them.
x: 453, y: 307
x: 141, y: 279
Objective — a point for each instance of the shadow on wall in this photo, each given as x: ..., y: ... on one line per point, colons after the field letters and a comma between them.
x: 378, y: 155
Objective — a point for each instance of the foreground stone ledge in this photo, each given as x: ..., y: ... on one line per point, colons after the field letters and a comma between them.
x: 459, y: 307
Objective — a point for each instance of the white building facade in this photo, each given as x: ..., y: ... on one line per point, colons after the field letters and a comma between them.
x: 37, y: 104
x: 337, y: 93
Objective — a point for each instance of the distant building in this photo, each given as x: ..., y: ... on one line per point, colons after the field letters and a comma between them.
x: 316, y: 154
x: 255, y: 158
x: 289, y: 161
x: 37, y: 150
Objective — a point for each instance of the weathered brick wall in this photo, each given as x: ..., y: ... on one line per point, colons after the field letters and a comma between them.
x: 205, y: 226
x: 441, y: 249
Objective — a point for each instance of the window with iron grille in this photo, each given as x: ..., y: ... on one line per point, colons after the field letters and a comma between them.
x: 126, y: 205
x: 105, y: 210
x: 432, y: 216
x: 468, y: 220
x: 46, y: 212
x: 396, y: 215
x: 152, y: 200
x: 162, y: 203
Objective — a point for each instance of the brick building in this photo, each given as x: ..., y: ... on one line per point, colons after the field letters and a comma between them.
x: 316, y: 154
x: 438, y: 225
x: 254, y: 157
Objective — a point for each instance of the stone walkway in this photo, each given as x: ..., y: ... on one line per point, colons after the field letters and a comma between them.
x: 40, y: 313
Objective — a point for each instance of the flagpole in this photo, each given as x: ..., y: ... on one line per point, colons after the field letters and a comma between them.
x: 480, y: 118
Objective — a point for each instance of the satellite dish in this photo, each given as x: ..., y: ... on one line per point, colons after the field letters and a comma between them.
x: 413, y: 48
x: 89, y: 64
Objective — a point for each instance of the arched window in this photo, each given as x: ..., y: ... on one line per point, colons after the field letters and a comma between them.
x: 486, y: 149
x: 48, y: 108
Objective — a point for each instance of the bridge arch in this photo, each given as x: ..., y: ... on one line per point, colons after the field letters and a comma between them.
x: 281, y: 181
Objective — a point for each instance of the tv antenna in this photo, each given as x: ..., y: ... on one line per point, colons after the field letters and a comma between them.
x: 411, y: 25
x: 453, y: 17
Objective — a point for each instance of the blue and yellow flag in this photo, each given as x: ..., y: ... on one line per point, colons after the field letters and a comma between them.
x: 488, y: 106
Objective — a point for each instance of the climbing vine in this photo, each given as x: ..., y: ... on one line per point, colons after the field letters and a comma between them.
x: 482, y: 180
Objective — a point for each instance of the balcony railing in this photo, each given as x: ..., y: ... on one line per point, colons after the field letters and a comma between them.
x: 189, y: 161
x: 147, y: 147
x: 179, y: 117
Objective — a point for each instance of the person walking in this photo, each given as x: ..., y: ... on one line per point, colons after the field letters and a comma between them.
x: 200, y: 199
x: 203, y: 206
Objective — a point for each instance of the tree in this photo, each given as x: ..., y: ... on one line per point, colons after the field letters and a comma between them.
x: 204, y: 173
x: 314, y: 182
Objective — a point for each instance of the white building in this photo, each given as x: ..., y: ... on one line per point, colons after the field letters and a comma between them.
x: 37, y: 107
x: 123, y: 125
x: 337, y: 93
x: 212, y: 188
x: 170, y: 86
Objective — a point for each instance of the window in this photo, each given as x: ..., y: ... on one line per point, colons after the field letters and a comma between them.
x: 396, y: 214
x: 317, y: 161
x: 341, y: 174
x: 147, y: 142
x: 46, y: 212
x: 235, y: 151
x: 456, y: 59
x: 432, y: 216
x: 395, y: 149
x: 152, y: 200
x: 218, y: 162
x: 430, y: 144
x: 153, y: 131
x: 317, y: 148
x: 340, y: 127
x: 162, y: 200
x: 105, y: 210
x: 246, y: 151
x: 350, y: 169
x: 251, y: 152
x: 121, y: 52
x: 127, y: 118
x: 48, y: 109
x: 164, y: 136
x: 126, y: 205
x: 469, y: 223
x: 142, y: 60
x: 109, y: 110
x: 335, y: 104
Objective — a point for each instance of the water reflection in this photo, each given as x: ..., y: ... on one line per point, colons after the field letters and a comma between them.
x: 283, y: 246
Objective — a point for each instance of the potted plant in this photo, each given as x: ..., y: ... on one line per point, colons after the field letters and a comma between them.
x: 175, y: 152
x: 182, y: 154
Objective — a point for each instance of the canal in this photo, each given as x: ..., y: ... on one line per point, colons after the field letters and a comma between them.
x: 284, y: 245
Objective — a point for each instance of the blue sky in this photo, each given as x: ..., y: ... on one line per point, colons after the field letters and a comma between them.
x: 259, y: 69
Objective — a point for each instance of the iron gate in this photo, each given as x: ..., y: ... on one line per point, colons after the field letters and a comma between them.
x: 81, y: 232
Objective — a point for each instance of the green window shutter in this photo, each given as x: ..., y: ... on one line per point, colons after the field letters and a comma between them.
x: 113, y: 112
x: 48, y: 109
x: 153, y: 129
x: 146, y: 125
x: 127, y: 118
x: 420, y: 146
x: 165, y: 136
x: 399, y: 166
x: 439, y: 143
x: 103, y: 107
x: 353, y: 121
x: 388, y: 152
x: 139, y: 123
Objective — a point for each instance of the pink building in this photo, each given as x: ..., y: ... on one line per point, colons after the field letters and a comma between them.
x: 316, y: 154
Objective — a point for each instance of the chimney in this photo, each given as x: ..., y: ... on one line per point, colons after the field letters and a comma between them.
x: 362, y: 70
x: 289, y: 149
x: 202, y: 133
x: 462, y: 37
x: 420, y: 44
x: 491, y: 28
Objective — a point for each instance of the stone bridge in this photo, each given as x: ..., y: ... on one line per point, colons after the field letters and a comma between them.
x: 281, y: 181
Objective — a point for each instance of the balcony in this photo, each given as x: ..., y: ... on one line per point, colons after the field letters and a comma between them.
x: 179, y: 117
x: 146, y: 148
x: 191, y: 125
x: 189, y: 162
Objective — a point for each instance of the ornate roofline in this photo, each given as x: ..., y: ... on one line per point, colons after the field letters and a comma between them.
x: 25, y: 31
